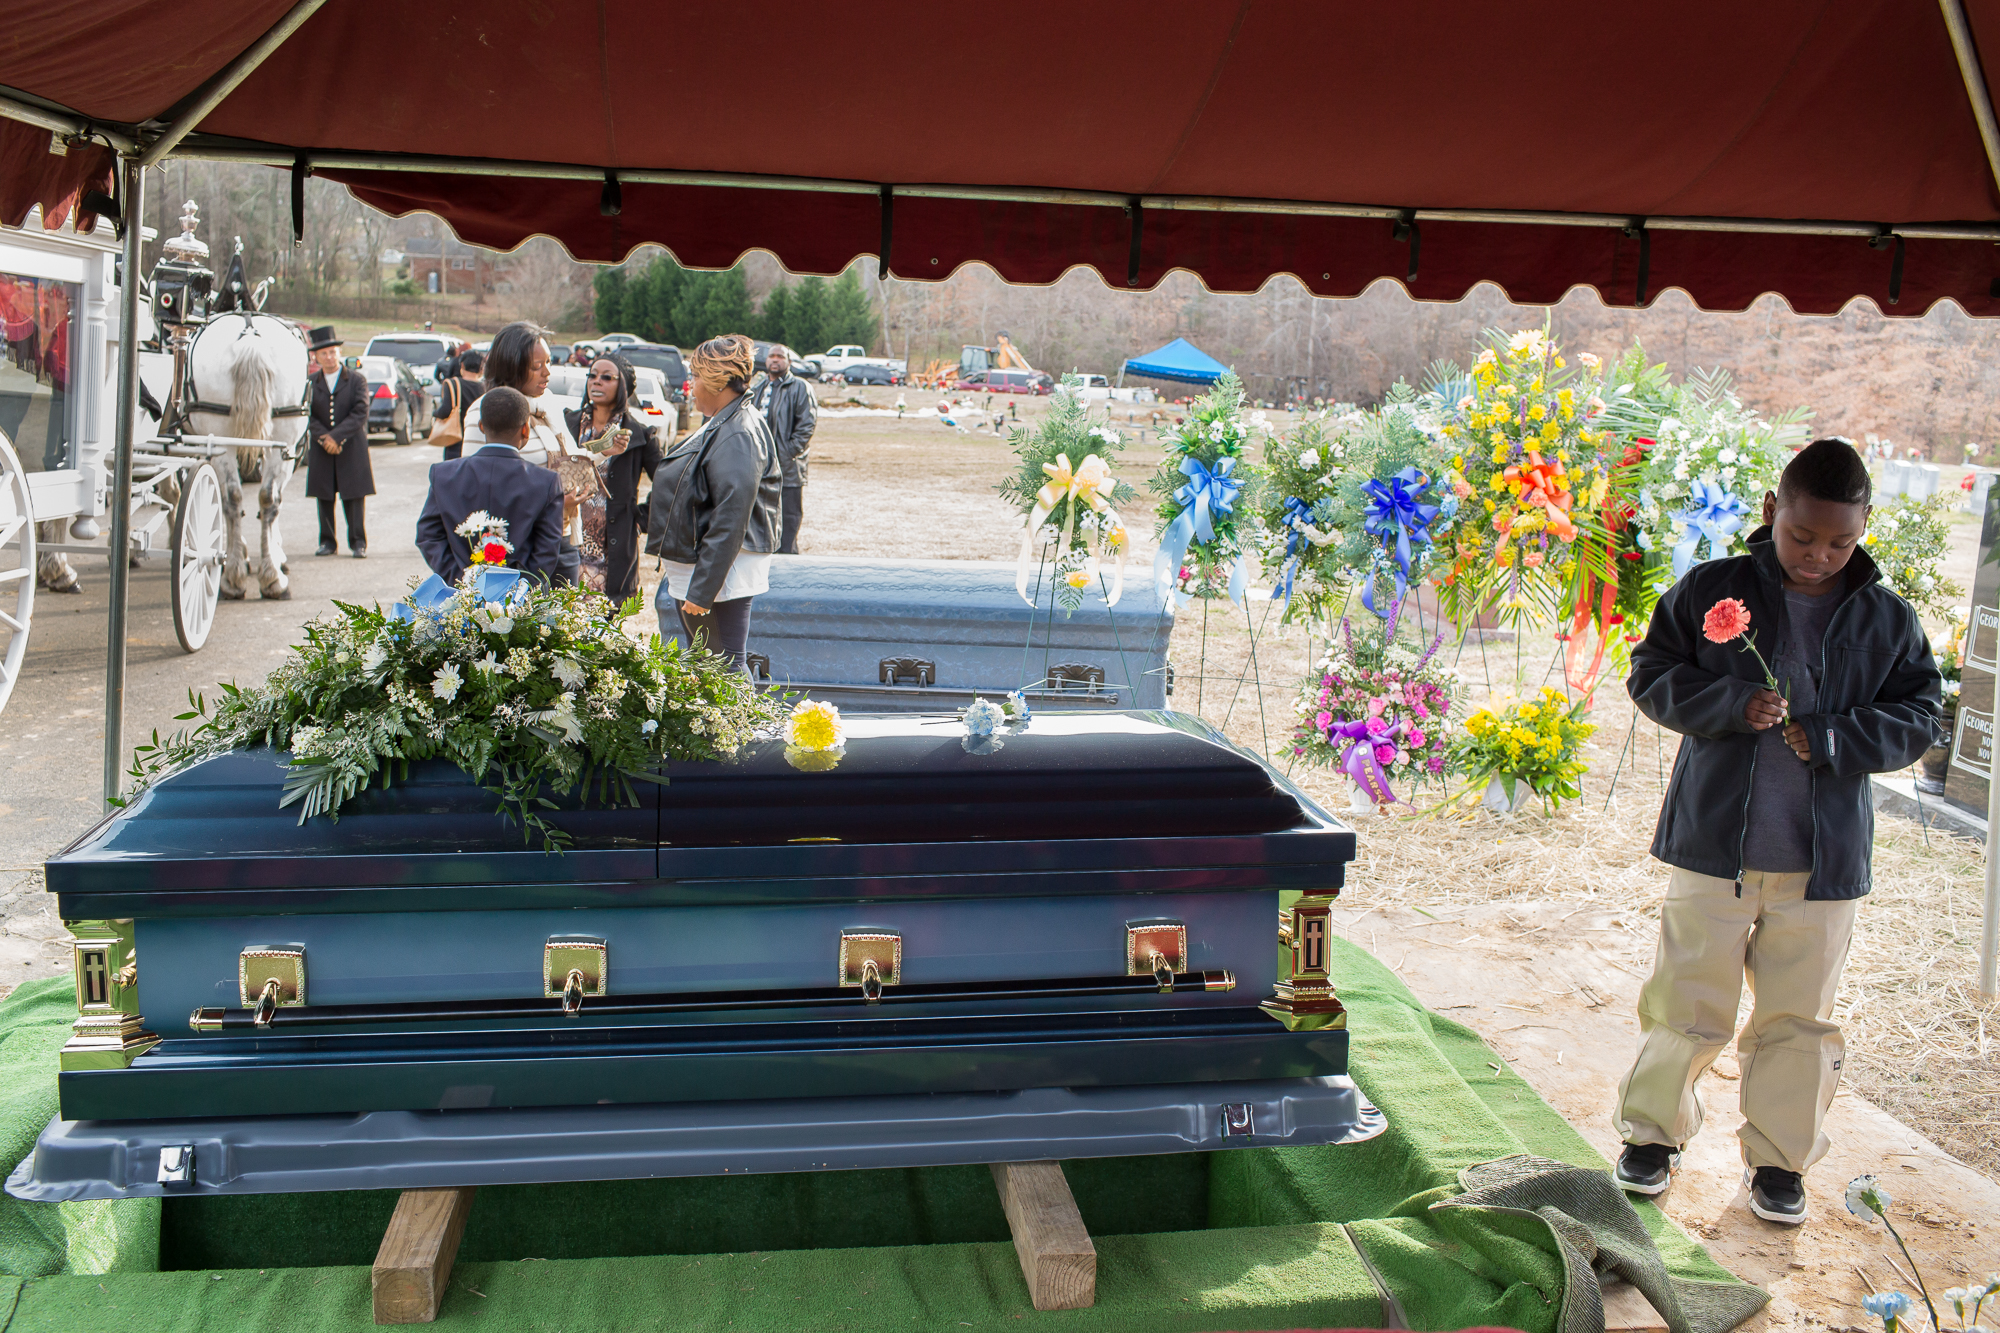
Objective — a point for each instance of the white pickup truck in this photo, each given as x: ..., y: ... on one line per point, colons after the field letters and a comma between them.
x: 834, y: 360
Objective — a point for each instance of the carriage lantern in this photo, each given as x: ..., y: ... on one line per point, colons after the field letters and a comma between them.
x: 182, y: 281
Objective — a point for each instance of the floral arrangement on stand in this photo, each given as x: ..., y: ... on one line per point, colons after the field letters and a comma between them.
x: 1202, y: 485
x: 1378, y: 712
x: 1908, y: 539
x: 1528, y: 464
x: 528, y: 688
x: 1355, y: 500
x: 1533, y: 745
x: 1071, y: 507
x: 1711, y: 460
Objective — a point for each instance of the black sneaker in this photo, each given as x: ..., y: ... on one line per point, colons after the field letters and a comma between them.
x: 1646, y: 1168
x: 326, y: 548
x: 1777, y: 1195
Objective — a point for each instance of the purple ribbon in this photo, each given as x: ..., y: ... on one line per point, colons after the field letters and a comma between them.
x: 1358, y: 759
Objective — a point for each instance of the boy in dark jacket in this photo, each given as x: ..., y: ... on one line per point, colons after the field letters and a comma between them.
x: 1768, y: 823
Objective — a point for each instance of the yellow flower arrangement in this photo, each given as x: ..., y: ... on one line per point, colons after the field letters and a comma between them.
x: 1538, y: 741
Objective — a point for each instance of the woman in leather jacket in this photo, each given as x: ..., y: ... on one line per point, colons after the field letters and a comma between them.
x: 626, y: 450
x: 715, y: 508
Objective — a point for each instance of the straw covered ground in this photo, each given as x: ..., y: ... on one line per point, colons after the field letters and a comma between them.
x: 1920, y: 1043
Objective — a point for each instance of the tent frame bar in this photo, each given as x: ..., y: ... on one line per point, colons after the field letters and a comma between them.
x: 1976, y: 91
x: 211, y: 94
x: 202, y: 150
x: 63, y: 123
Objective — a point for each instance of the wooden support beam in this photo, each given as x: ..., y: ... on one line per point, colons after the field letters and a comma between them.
x: 1056, y: 1255
x: 1626, y: 1310
x: 414, y: 1264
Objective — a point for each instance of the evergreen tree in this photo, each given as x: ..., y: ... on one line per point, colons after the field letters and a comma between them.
x: 849, y: 316
x: 771, y: 320
x: 652, y: 311
x: 711, y: 304
x: 805, y: 320
x: 610, y: 287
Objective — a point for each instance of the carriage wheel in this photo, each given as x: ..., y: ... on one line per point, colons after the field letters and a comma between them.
x: 197, y: 556
x: 17, y: 584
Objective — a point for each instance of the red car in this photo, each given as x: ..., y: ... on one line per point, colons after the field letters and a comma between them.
x: 1003, y: 381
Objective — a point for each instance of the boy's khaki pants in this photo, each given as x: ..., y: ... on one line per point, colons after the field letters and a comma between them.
x: 1792, y: 952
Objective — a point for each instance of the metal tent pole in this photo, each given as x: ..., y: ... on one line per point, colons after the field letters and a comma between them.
x: 131, y: 204
x: 1989, y: 934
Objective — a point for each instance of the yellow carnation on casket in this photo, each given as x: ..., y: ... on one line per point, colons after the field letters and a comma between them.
x: 815, y: 726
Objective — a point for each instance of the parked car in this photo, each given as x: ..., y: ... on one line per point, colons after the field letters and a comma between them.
x: 566, y: 389
x: 871, y: 372
x: 398, y: 403
x: 662, y: 358
x: 835, y: 360
x: 616, y: 339
x: 420, y: 351
x: 1096, y: 389
x: 654, y: 403
x: 1005, y: 381
x: 559, y: 354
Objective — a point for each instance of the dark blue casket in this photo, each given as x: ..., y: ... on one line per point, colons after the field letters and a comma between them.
x: 928, y: 635
x: 1065, y: 942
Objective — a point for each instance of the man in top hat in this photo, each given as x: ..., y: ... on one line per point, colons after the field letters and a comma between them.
x: 337, y: 459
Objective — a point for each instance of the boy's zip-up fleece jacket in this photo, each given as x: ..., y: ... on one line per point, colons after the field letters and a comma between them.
x: 1880, y: 706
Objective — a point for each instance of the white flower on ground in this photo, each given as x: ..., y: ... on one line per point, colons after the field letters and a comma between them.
x: 982, y: 717
x: 446, y: 682
x: 1866, y: 1198
x: 1887, y: 1306
x: 569, y: 672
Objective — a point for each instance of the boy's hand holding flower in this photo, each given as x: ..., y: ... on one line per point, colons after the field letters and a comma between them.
x: 1727, y: 621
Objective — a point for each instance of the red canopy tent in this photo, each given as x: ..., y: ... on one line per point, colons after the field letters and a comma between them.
x: 1795, y: 146
x: 1820, y: 149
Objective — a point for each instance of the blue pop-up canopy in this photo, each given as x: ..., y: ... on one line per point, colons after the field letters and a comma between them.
x: 1180, y: 361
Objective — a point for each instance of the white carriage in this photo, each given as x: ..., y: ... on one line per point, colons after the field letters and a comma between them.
x: 59, y: 295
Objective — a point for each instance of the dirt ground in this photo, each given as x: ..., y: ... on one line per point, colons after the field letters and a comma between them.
x: 1535, y: 931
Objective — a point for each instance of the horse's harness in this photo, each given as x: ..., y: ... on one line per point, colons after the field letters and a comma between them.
x: 197, y: 404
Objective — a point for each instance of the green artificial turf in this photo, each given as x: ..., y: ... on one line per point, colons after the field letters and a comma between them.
x: 1241, y: 1239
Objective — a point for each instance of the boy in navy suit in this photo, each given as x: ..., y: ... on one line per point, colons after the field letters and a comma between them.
x: 492, y: 477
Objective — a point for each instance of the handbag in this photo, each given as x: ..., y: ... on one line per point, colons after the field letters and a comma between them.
x: 450, y: 429
x: 576, y: 472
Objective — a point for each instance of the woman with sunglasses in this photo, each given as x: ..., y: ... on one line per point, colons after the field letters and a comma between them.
x: 626, y: 450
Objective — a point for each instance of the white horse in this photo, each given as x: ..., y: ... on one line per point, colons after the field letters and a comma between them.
x: 247, y: 374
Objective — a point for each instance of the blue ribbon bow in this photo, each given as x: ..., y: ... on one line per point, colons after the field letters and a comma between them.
x: 1296, y: 517
x: 1206, y: 497
x: 1397, y: 514
x: 489, y: 585
x: 1713, y: 513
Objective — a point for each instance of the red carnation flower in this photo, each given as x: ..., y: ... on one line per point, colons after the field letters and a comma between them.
x: 1726, y: 620
x: 494, y: 553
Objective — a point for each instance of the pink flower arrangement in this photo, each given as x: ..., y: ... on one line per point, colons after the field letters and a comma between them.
x: 1404, y: 709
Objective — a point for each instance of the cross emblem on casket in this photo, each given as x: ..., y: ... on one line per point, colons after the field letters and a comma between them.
x: 96, y: 977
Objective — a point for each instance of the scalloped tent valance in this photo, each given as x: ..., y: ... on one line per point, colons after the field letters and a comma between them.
x: 1818, y: 150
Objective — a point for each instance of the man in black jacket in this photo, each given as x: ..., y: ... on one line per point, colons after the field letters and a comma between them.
x: 337, y: 466
x: 494, y: 479
x: 1768, y: 822
x: 792, y: 413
